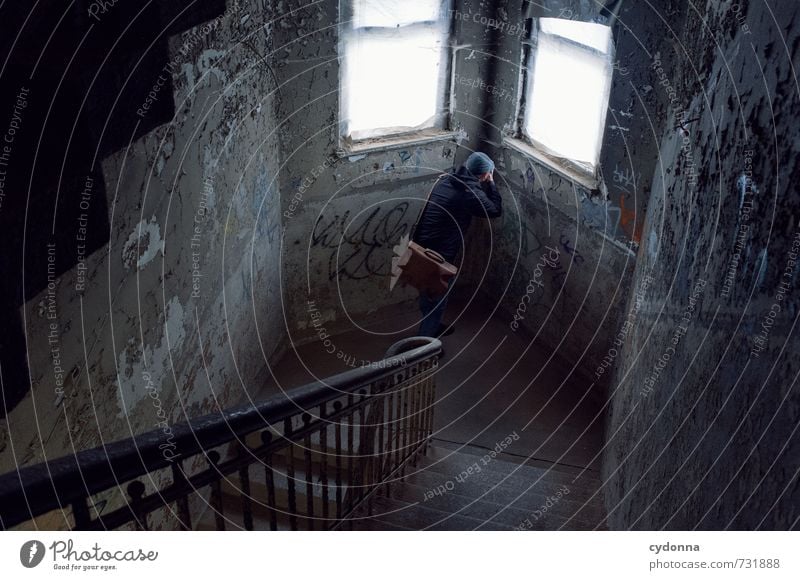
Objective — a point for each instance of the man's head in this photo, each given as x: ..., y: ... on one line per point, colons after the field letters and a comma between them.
x: 480, y: 165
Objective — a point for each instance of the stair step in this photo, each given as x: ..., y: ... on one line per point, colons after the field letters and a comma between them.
x: 371, y: 524
x: 557, y: 471
x: 445, y: 461
x: 493, y: 496
x: 417, y: 517
x: 452, y: 502
x: 509, y: 476
x: 507, y: 493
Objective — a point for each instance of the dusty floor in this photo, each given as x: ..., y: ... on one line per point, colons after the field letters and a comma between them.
x: 492, y: 383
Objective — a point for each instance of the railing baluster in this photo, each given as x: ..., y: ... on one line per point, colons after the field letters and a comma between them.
x: 377, y: 476
x: 363, y: 439
x: 350, y: 432
x: 406, y: 429
x: 323, y: 464
x: 415, y: 414
x: 337, y: 406
x: 216, y: 492
x: 423, y: 423
x: 135, y: 492
x: 412, y: 415
x: 309, y: 474
x: 244, y: 481
x: 179, y: 480
x: 398, y: 451
x: 421, y: 408
x: 80, y: 514
x: 431, y: 402
x: 287, y: 431
x: 391, y: 436
x: 269, y: 481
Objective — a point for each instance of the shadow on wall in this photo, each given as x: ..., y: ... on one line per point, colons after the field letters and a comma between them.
x: 67, y: 102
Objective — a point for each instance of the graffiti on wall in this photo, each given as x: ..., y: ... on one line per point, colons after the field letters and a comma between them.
x: 360, y: 247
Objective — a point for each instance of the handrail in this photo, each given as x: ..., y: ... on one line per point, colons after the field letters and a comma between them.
x: 31, y: 491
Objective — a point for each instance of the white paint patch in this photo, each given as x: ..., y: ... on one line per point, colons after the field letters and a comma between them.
x: 132, y: 367
x: 188, y: 71
x: 160, y: 162
x: 354, y: 158
x: 206, y: 64
x: 143, y: 244
x: 652, y: 245
x: 209, y: 162
x: 174, y: 323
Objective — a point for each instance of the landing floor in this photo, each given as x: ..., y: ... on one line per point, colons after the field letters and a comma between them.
x: 492, y: 384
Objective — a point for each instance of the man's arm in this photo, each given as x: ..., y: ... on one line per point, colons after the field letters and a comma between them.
x: 485, y: 201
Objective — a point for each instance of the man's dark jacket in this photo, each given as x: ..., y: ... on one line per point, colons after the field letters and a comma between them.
x: 455, y: 199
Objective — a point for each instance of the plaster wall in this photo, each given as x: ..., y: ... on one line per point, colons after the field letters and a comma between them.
x: 179, y: 312
x: 702, y: 429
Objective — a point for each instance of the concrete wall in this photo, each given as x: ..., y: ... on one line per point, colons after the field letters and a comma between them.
x: 702, y: 430
x: 179, y: 311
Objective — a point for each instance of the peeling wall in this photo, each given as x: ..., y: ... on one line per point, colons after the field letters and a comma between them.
x: 702, y: 430
x: 559, y: 278
x: 180, y: 311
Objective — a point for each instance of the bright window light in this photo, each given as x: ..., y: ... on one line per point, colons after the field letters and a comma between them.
x: 593, y: 35
x: 391, y: 14
x: 568, y: 92
x: 394, y: 65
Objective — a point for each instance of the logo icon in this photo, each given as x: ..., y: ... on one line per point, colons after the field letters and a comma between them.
x: 31, y: 553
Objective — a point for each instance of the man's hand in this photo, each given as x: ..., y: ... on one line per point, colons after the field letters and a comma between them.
x: 488, y: 176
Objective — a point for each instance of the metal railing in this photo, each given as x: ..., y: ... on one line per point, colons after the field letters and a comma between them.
x: 306, y: 459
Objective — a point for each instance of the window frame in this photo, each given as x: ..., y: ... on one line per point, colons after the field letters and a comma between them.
x: 442, y: 126
x: 527, y: 76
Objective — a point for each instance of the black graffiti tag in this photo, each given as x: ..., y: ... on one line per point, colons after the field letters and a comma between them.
x: 356, y: 250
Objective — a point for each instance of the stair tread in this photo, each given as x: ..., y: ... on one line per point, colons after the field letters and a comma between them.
x: 418, y: 517
x: 440, y: 448
x: 508, y: 494
x: 444, y: 460
x: 510, y: 475
x: 497, y: 473
x: 483, y: 493
x: 452, y: 502
x: 372, y: 524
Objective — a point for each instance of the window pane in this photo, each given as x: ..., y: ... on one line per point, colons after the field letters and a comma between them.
x: 567, y: 100
x: 391, y: 13
x: 593, y: 35
x: 392, y: 80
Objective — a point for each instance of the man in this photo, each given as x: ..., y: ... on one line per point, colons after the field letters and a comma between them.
x: 455, y: 199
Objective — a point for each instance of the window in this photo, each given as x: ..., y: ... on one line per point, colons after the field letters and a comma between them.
x: 394, y: 66
x: 569, y: 80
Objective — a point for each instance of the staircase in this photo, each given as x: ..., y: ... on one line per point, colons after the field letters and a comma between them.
x: 458, y: 490
x: 447, y: 490
x: 352, y: 452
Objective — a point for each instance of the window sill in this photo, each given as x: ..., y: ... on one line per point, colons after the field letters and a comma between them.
x: 590, y: 182
x: 398, y: 141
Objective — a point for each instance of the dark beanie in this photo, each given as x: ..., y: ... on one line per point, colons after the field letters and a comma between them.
x: 479, y: 163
